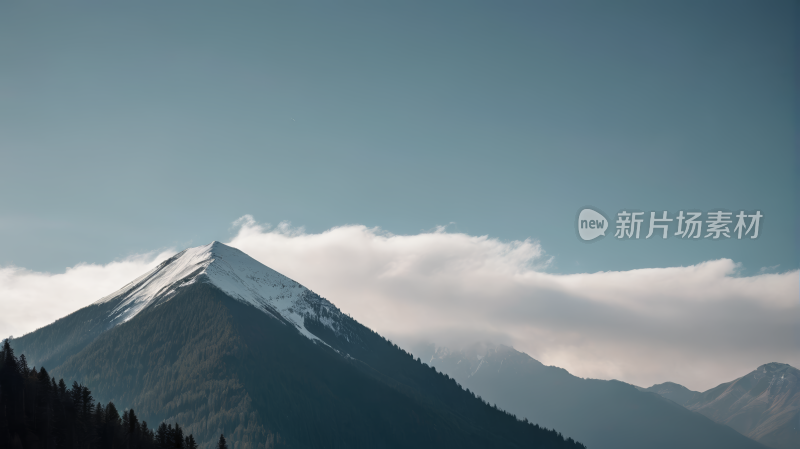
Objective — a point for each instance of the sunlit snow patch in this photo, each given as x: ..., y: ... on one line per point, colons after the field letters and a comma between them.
x: 235, y: 273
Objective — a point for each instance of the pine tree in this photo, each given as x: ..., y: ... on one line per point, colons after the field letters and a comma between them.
x: 190, y: 442
x: 87, y: 402
x: 162, y: 435
x: 146, y: 434
x: 177, y: 437
x: 44, y: 407
x: 132, y: 430
x: 99, y: 424
x: 222, y: 444
x: 23, y: 365
x: 38, y: 413
x: 8, y: 363
x: 170, y: 437
x: 112, y: 416
x: 126, y: 424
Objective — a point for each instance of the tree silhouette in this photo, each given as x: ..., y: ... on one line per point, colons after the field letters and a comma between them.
x: 38, y: 413
x: 190, y: 442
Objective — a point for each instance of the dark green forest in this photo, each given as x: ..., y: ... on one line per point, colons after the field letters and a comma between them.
x: 36, y: 412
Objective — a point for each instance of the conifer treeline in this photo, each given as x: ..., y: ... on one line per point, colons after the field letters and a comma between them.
x: 36, y: 412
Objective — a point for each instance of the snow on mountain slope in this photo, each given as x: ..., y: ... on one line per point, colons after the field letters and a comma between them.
x: 232, y: 271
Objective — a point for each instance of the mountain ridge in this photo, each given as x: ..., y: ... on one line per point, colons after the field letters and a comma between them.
x: 602, y: 414
x: 236, y: 348
x: 232, y: 271
x: 763, y: 404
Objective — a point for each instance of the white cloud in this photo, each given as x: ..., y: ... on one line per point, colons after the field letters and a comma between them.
x: 698, y: 325
x: 30, y: 300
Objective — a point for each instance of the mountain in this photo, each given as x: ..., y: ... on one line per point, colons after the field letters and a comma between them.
x: 674, y: 392
x: 217, y: 341
x: 601, y: 414
x: 764, y: 404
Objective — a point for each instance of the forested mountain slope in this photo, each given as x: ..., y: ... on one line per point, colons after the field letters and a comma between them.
x: 236, y: 349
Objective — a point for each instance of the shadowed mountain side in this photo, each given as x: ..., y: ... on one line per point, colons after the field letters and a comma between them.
x: 53, y: 344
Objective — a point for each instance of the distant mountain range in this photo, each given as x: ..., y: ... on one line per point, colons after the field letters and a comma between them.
x: 217, y: 341
x: 764, y: 404
x: 602, y: 414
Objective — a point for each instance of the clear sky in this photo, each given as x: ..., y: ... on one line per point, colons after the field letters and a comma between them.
x: 127, y: 127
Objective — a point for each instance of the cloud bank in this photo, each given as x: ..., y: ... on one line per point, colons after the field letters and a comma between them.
x: 698, y: 325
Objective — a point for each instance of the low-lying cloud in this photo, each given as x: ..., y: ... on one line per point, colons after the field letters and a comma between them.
x: 30, y: 300
x: 698, y: 325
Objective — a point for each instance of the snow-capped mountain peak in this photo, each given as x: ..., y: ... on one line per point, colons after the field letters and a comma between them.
x: 232, y: 271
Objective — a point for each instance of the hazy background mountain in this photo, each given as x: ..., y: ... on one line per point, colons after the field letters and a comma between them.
x: 764, y: 404
x: 222, y: 344
x: 602, y: 414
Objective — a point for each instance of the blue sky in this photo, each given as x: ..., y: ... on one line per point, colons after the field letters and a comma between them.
x: 126, y: 128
